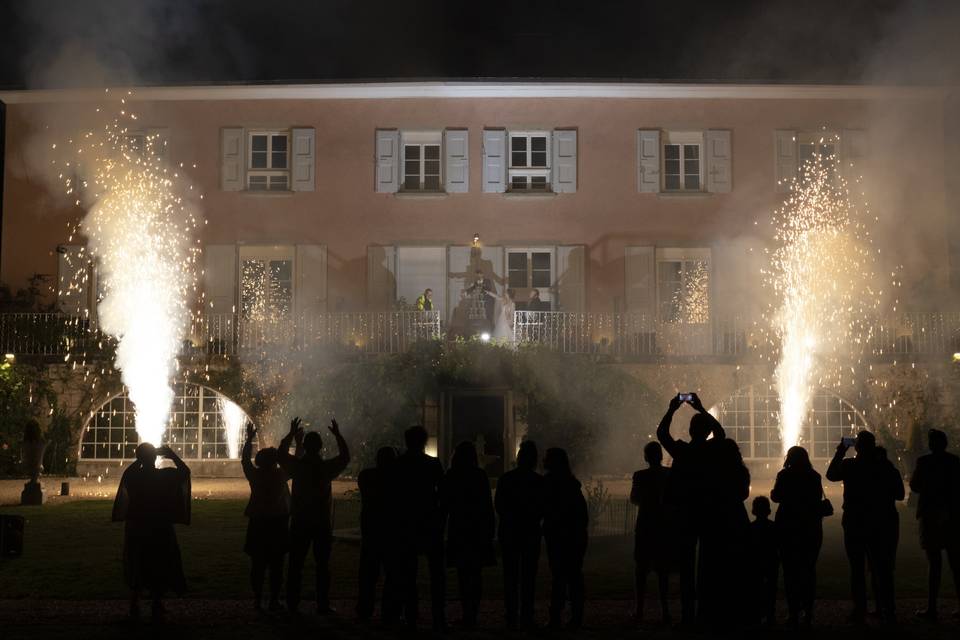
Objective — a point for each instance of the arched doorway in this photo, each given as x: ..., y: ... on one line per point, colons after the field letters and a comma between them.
x: 751, y: 416
x: 204, y: 425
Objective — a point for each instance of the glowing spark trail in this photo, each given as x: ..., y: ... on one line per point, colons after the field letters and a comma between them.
x: 822, y: 274
x: 140, y: 233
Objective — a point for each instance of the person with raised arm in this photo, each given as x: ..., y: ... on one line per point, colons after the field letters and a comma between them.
x: 686, y: 491
x: 149, y: 502
x: 268, y: 511
x: 310, y: 509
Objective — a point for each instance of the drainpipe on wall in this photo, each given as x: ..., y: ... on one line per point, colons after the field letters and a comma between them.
x: 3, y: 175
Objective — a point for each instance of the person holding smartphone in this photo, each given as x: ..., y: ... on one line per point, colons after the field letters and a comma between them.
x: 871, y: 488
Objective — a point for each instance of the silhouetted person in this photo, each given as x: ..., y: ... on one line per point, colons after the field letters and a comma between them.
x: 519, y: 503
x: 375, y: 529
x: 871, y: 489
x: 310, y: 504
x: 690, y: 473
x: 149, y: 502
x: 936, y: 480
x: 268, y: 511
x: 565, y: 521
x: 764, y: 562
x: 419, y: 526
x: 653, y: 547
x: 799, y: 492
x: 465, y: 497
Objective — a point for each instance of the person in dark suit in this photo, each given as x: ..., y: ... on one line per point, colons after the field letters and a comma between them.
x: 268, y: 511
x: 466, y: 499
x: 374, y: 485
x: 690, y: 475
x: 764, y: 563
x: 419, y: 527
x: 535, y: 303
x: 149, y: 502
x: 655, y: 528
x: 310, y: 504
x: 519, y: 503
x: 936, y: 480
x: 871, y: 489
x: 799, y: 521
x: 565, y: 521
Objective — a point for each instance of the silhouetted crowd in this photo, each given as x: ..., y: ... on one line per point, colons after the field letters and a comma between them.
x: 691, y: 521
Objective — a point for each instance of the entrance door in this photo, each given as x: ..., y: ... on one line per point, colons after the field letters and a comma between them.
x: 480, y: 420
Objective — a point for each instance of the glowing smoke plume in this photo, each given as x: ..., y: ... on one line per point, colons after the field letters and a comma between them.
x: 822, y: 274
x: 140, y: 233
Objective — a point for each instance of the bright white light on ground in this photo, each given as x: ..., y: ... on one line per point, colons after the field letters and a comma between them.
x: 485, y: 336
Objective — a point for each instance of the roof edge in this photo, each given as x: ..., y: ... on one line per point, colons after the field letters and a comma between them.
x: 453, y: 90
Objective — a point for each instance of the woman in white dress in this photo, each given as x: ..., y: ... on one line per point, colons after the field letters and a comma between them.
x: 503, y: 327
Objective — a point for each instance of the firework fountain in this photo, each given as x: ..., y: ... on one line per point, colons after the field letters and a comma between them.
x: 140, y: 232
x: 822, y: 274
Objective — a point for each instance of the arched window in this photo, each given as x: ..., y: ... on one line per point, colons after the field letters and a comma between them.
x: 752, y: 417
x: 204, y: 425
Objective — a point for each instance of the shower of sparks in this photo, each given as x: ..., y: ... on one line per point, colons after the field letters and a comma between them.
x: 822, y: 274
x: 234, y: 421
x: 140, y: 232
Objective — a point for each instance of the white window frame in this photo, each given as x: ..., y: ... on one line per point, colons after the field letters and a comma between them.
x: 683, y: 255
x: 546, y: 293
x: 681, y: 138
x: 421, y: 139
x: 528, y: 171
x: 269, y: 171
x: 267, y: 253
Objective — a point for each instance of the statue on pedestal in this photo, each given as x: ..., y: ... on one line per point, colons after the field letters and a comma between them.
x: 31, y: 457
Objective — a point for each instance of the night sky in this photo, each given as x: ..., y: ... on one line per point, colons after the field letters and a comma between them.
x: 49, y: 43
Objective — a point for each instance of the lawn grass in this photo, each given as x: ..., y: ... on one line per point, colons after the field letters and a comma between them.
x: 72, y: 551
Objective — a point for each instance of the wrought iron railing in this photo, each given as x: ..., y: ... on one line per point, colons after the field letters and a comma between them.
x: 630, y: 335
x: 55, y: 334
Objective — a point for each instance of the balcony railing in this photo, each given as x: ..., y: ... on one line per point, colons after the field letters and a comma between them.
x: 54, y: 334
x: 629, y: 335
x: 622, y: 335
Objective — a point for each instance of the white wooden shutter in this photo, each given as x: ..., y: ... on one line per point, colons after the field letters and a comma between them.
x: 311, y: 289
x: 571, y: 277
x: 853, y: 144
x: 456, y: 175
x: 719, y: 157
x: 388, y: 160
x: 74, y: 283
x: 381, y: 277
x: 220, y: 277
x: 640, y: 280
x: 304, y: 164
x: 648, y: 160
x: 494, y: 161
x: 785, y: 143
x: 232, y: 160
x: 421, y: 268
x: 564, y: 161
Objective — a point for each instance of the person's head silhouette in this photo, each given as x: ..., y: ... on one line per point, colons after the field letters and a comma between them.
x: 386, y: 457
x: 797, y: 459
x: 653, y: 454
x: 312, y: 443
x: 147, y: 455
x: 761, y: 507
x: 266, y: 458
x: 866, y: 444
x: 527, y: 455
x: 937, y: 441
x: 416, y: 438
x: 464, y: 456
x: 700, y: 427
x: 556, y: 462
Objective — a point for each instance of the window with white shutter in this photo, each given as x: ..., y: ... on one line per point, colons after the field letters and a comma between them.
x: 682, y: 161
x: 268, y: 160
x: 529, y: 168
x: 421, y: 161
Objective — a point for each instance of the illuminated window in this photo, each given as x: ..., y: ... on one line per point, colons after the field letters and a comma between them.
x: 529, y: 161
x: 204, y: 424
x: 751, y: 417
x: 268, y: 166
